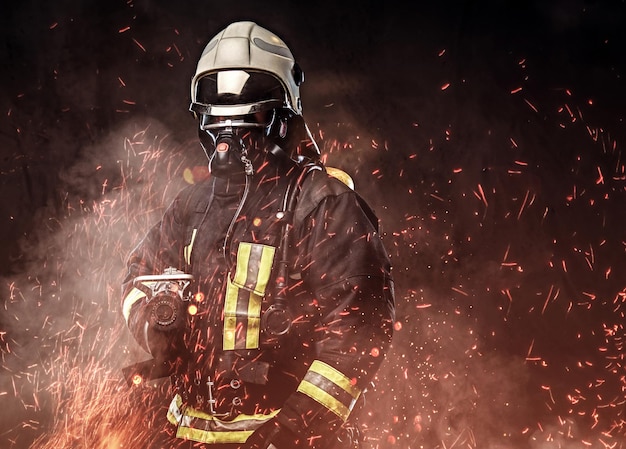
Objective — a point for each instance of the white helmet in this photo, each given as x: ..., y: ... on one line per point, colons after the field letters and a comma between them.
x: 245, y: 69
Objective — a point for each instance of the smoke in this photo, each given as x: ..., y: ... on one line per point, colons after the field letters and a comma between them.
x: 505, y: 237
x: 63, y: 339
x: 497, y: 176
x: 468, y: 367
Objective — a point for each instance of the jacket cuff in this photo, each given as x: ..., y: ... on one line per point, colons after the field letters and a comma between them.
x: 321, y: 404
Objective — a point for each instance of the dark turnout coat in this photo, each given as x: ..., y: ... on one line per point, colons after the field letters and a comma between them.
x: 231, y: 375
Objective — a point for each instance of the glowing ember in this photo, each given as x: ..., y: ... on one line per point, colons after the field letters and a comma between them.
x: 508, y: 248
x: 192, y: 309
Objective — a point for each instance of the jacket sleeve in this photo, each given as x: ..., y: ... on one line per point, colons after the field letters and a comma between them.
x: 347, y: 269
x: 162, y: 247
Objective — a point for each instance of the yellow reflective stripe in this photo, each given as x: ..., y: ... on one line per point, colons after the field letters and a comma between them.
x: 174, y: 413
x: 326, y: 398
x: 187, y: 250
x: 205, y: 436
x: 230, y: 314
x: 129, y: 301
x: 336, y: 377
x: 319, y: 395
x: 254, y: 266
x: 265, y: 269
x: 243, y: 257
x: 171, y: 418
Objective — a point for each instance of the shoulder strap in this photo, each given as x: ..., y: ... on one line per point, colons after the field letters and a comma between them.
x: 288, y: 212
x: 276, y: 320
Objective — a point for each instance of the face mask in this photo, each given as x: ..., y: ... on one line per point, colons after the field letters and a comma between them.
x: 230, y: 157
x: 231, y: 141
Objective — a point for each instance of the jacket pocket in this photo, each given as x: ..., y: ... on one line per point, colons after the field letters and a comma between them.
x: 244, y: 295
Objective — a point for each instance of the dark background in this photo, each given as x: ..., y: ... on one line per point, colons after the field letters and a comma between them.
x: 487, y: 136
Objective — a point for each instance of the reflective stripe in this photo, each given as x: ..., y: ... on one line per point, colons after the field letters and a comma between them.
x: 205, y: 436
x: 319, y: 395
x: 331, y: 388
x: 203, y: 427
x: 129, y: 301
x: 254, y: 265
x: 244, y: 296
x: 243, y: 258
x: 230, y: 315
x: 187, y: 250
x: 265, y: 269
x: 174, y: 413
x: 335, y: 376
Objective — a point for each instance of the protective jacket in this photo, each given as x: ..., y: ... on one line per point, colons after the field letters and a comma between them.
x: 230, y: 375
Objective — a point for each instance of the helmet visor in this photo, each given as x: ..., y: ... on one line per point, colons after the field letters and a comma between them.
x: 237, y: 92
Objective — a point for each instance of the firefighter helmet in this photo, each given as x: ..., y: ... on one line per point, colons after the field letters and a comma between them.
x: 242, y: 61
x: 247, y: 78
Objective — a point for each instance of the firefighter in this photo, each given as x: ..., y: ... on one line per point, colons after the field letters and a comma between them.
x: 265, y: 291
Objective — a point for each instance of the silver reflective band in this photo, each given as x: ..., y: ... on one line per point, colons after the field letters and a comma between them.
x: 221, y: 110
x: 229, y: 124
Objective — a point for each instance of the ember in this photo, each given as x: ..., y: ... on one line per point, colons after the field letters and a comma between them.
x: 501, y: 202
